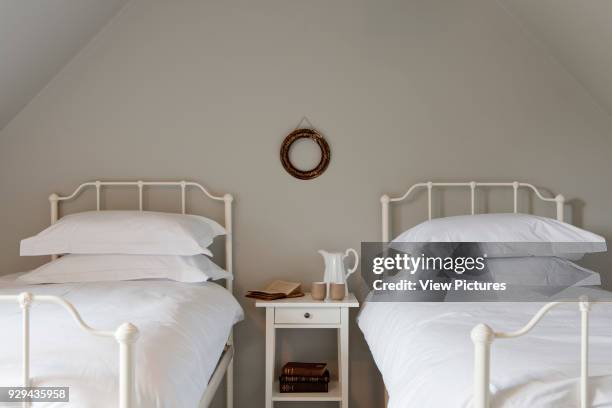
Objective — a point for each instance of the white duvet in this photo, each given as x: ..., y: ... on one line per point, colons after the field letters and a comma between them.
x: 183, y: 330
x: 425, y: 354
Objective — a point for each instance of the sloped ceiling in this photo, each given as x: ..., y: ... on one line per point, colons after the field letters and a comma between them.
x: 38, y: 38
x: 578, y: 33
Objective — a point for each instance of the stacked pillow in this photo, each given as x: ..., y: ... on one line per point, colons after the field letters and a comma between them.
x: 124, y: 245
x: 521, y: 249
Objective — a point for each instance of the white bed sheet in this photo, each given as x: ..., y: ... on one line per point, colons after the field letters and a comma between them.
x: 183, y: 330
x: 425, y: 354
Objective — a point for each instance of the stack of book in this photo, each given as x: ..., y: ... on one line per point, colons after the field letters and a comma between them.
x: 304, y: 377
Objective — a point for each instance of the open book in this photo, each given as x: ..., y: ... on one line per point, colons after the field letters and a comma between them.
x: 278, y: 289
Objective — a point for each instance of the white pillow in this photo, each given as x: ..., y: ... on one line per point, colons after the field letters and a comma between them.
x: 125, y: 232
x: 561, y: 239
x: 97, y: 268
x: 540, y: 271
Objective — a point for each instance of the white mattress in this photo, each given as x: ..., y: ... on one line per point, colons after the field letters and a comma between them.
x: 183, y: 330
x: 425, y: 354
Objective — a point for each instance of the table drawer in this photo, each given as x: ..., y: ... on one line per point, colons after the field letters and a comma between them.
x: 305, y: 315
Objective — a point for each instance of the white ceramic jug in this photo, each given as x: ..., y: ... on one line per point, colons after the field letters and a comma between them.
x: 335, y: 271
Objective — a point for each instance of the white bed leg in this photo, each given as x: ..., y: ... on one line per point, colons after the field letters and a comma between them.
x: 585, y: 307
x: 482, y: 336
x: 25, y: 301
x: 126, y: 335
x: 229, y: 380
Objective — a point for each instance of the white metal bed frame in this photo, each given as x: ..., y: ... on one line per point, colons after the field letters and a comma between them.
x: 385, y: 199
x: 127, y: 334
x: 482, y: 335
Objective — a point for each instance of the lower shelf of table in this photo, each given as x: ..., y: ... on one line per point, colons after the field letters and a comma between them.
x: 333, y: 394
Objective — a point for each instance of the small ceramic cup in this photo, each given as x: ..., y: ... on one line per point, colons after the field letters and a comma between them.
x: 337, y: 291
x: 318, y: 290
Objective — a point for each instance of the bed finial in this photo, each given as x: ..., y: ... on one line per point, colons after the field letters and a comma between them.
x: 429, y: 187
x: 473, y: 196
x: 384, y: 200
x: 515, y: 187
x: 560, y: 203
x: 54, y: 199
x: 482, y: 333
x: 126, y: 333
x: 98, y: 184
x: 140, y: 185
x: 25, y: 299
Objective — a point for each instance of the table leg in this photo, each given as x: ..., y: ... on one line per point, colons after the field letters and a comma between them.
x: 270, y: 356
x: 343, y: 357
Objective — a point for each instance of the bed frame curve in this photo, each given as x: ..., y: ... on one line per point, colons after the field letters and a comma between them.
x: 482, y: 335
x: 127, y: 334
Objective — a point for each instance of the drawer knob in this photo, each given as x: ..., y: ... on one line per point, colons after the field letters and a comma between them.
x: 307, y: 315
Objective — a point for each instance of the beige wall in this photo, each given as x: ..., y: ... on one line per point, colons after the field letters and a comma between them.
x: 405, y: 91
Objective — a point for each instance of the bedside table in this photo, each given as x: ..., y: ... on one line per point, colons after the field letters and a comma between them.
x: 306, y: 313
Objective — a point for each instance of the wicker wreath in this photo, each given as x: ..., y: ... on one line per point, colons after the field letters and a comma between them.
x: 315, y: 137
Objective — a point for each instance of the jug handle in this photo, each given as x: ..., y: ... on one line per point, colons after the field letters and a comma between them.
x: 354, y: 268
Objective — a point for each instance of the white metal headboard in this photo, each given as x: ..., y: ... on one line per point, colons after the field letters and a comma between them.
x: 55, y: 199
x: 385, y: 199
